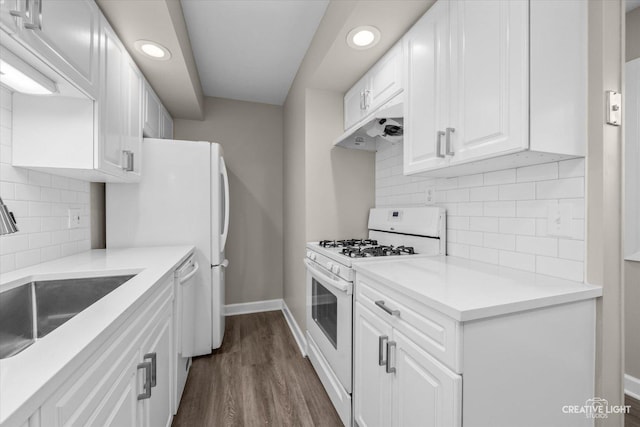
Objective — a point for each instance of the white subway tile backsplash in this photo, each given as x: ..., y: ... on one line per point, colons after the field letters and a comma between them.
x: 537, y: 245
x: 563, y: 268
x: 500, y: 241
x: 524, y: 191
x: 564, y: 188
x: 500, y: 209
x: 537, y: 172
x: 40, y: 203
x: 522, y: 226
x: 571, y: 168
x: 499, y: 217
x: 507, y: 176
x: 484, y: 193
x: 491, y: 225
x: 518, y: 260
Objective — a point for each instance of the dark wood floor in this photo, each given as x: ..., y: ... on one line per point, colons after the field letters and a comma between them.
x: 632, y: 419
x: 257, y: 378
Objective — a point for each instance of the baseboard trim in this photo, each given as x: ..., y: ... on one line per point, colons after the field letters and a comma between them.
x: 632, y: 386
x: 252, y: 307
x: 295, y: 329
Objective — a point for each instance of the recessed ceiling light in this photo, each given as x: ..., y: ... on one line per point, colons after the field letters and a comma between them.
x: 153, y: 50
x: 363, y: 37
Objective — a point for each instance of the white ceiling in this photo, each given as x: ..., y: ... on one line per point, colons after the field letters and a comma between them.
x: 250, y: 50
x: 632, y: 4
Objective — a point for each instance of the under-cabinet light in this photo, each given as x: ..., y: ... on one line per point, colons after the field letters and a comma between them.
x: 22, y: 77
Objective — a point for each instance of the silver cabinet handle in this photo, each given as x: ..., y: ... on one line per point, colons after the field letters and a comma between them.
x: 450, y: 152
x: 127, y: 161
x: 367, y: 99
x: 387, y: 309
x: 147, y: 380
x: 362, y: 102
x: 36, y: 16
x: 382, y: 341
x: 153, y: 358
x: 439, y: 136
x: 390, y: 369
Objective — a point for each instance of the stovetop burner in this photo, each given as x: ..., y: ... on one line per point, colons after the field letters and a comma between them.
x: 348, y: 243
x: 377, y: 251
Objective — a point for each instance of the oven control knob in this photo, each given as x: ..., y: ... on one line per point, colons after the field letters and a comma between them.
x: 313, y: 256
x: 336, y: 269
x: 308, y: 254
x: 330, y: 266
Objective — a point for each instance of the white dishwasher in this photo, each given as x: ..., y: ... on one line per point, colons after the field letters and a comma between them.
x: 184, y: 322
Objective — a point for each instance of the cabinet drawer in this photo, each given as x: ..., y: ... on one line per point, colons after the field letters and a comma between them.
x: 81, y: 397
x: 436, y: 333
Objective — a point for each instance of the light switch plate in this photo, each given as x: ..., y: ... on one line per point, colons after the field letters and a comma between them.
x: 614, y: 108
x: 75, y: 218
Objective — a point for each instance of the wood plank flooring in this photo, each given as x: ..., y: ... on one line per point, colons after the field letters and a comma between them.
x: 257, y: 378
x: 632, y: 419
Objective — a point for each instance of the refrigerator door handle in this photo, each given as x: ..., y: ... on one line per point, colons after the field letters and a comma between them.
x: 225, y: 230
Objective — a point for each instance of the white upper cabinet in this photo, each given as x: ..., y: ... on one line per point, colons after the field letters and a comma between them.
x: 63, y: 33
x: 157, y: 120
x: 426, y: 105
x: 495, y: 84
x: 381, y: 83
x: 490, y: 72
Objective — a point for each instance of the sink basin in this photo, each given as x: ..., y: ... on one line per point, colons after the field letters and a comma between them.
x: 33, y: 310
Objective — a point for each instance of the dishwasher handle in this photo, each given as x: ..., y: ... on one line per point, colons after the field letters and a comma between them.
x: 188, y: 276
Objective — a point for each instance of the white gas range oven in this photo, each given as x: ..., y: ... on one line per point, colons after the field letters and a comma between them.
x: 393, y: 232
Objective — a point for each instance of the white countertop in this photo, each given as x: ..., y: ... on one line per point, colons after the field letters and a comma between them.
x: 27, y: 378
x: 468, y: 290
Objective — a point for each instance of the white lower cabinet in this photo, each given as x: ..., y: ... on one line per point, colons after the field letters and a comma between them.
x: 128, y: 380
x: 397, y: 383
x: 410, y: 361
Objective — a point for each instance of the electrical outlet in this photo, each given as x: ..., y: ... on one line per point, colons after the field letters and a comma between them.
x: 559, y: 222
x: 75, y: 219
x: 430, y: 194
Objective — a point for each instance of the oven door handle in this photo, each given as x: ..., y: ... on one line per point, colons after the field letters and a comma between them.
x: 334, y: 283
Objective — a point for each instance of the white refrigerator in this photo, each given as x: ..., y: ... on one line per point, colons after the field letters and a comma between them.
x: 182, y: 198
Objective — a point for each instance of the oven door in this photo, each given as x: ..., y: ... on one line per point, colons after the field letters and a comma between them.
x: 329, y: 319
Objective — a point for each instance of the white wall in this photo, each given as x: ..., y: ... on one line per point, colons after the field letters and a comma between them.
x: 498, y: 217
x: 40, y: 203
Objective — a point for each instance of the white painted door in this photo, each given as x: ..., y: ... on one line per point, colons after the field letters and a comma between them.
x: 112, y: 117
x: 157, y: 409
x: 65, y: 33
x: 385, y: 78
x: 425, y: 392
x: 354, y: 103
x: 372, y: 383
x: 120, y: 407
x: 427, y: 94
x: 167, y: 125
x: 490, y: 67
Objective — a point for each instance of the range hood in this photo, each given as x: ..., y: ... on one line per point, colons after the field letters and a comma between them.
x: 383, y: 125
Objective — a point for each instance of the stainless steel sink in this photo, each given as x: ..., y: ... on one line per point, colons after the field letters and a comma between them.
x: 31, y: 311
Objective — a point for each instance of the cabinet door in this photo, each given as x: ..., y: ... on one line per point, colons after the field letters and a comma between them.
x: 372, y: 384
x: 385, y: 78
x: 354, y: 107
x: 425, y: 392
x: 132, y: 82
x: 157, y: 409
x: 65, y: 33
x: 167, y: 125
x: 490, y: 65
x: 120, y: 406
x: 110, y: 143
x: 151, y: 113
x: 426, y: 107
